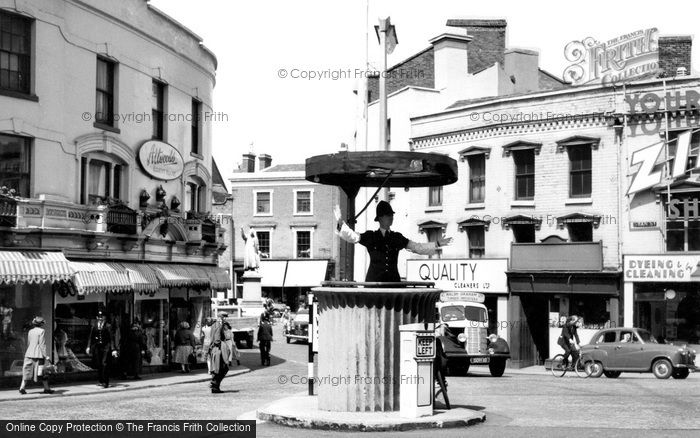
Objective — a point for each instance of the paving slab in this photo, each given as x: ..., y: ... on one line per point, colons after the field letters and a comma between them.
x: 302, y: 411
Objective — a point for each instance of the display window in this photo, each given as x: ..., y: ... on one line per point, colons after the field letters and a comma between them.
x: 152, y: 313
x: 192, y: 306
x: 19, y: 304
x: 671, y: 312
x: 74, y: 315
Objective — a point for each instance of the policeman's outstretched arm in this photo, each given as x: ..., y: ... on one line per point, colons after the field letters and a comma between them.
x: 428, y: 248
x: 342, y: 229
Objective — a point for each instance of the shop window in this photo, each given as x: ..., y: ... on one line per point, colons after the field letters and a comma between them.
x: 435, y: 196
x: 263, y: 203
x: 580, y: 231
x: 303, y: 202
x: 264, y: 243
x: 15, y: 53
x: 523, y: 233
x: 104, y: 105
x: 593, y: 310
x: 524, y: 174
x: 671, y: 312
x: 475, y: 240
x: 477, y: 178
x: 303, y: 244
x: 19, y: 304
x: 152, y: 313
x: 158, y: 109
x: 15, y: 164
x: 195, y: 126
x: 102, y: 177
x: 580, y: 171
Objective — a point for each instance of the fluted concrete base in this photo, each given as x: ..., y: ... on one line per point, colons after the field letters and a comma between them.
x: 358, y: 354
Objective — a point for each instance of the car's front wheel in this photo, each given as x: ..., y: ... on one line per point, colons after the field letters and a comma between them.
x: 612, y: 374
x: 662, y: 369
x: 680, y: 373
x: 497, y: 367
x: 594, y: 368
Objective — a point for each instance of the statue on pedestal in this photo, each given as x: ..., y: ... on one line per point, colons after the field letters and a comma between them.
x: 251, y: 256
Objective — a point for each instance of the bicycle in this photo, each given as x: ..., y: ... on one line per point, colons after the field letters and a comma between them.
x: 582, y: 366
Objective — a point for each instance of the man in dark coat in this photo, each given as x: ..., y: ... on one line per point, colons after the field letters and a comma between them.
x: 218, y: 351
x: 265, y: 338
x: 384, y: 245
x: 101, y: 345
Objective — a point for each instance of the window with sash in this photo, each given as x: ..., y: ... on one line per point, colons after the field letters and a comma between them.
x: 15, y: 53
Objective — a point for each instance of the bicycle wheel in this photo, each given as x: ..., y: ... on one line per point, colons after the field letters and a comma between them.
x: 581, y: 369
x: 558, y: 369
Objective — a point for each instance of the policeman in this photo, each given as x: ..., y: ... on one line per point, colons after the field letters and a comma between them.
x: 102, y: 347
x: 384, y: 245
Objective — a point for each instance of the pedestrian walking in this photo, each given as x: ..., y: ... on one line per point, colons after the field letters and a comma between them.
x: 206, y: 330
x: 133, y: 349
x: 184, y: 346
x: 36, y: 358
x: 234, y: 354
x: 219, y: 352
x: 101, y: 345
x: 265, y: 339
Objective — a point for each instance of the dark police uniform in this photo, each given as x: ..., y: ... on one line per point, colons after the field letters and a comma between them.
x: 101, y: 347
x: 383, y: 254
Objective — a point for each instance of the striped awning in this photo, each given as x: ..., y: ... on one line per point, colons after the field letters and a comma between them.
x: 180, y: 275
x: 94, y: 277
x: 142, y: 277
x: 219, y: 278
x: 34, y: 267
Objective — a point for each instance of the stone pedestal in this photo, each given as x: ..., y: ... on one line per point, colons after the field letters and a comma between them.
x: 359, y: 343
x: 251, y: 303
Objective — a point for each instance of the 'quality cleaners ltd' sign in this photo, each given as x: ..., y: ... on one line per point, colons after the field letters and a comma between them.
x: 160, y: 160
x: 474, y: 275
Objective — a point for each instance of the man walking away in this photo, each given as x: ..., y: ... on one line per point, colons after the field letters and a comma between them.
x: 265, y: 338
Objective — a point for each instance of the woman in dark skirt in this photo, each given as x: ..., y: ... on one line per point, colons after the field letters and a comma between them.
x: 133, y: 350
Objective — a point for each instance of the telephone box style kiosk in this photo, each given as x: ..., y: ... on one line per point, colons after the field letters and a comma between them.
x: 359, y: 345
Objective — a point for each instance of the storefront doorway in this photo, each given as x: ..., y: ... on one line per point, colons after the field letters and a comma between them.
x: 529, y: 326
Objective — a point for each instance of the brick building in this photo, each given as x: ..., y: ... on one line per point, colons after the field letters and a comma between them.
x: 543, y: 183
x: 293, y: 220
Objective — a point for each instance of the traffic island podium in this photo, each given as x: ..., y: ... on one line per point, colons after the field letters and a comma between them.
x: 360, y: 341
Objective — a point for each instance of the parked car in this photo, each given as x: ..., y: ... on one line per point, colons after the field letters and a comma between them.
x: 298, y: 327
x: 278, y: 309
x: 616, y: 350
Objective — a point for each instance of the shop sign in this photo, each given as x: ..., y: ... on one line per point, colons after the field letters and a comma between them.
x: 679, y: 268
x: 474, y: 275
x: 161, y: 160
x: 648, y: 175
x: 643, y: 225
x: 683, y: 209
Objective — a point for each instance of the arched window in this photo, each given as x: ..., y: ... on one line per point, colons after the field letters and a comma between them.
x: 103, y: 176
x: 195, y: 194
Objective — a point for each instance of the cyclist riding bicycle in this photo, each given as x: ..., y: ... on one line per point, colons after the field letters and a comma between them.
x: 569, y: 340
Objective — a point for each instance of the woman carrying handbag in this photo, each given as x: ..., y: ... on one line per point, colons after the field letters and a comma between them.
x: 35, y: 357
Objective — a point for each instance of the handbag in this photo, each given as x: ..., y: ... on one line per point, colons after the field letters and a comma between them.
x: 192, y: 359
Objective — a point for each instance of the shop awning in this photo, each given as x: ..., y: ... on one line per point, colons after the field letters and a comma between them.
x: 181, y: 275
x: 305, y: 273
x: 92, y: 277
x: 34, y: 267
x: 272, y: 272
x: 218, y: 277
x: 143, y: 278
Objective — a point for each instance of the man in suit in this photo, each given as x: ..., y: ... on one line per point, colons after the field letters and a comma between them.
x: 219, y: 352
x: 384, y: 245
x: 101, y: 345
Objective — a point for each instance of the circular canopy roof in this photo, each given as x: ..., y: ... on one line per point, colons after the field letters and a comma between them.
x: 371, y: 169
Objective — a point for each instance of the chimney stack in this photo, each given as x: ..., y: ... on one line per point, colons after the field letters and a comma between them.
x: 488, y: 44
x: 248, y: 163
x: 264, y: 161
x: 674, y: 55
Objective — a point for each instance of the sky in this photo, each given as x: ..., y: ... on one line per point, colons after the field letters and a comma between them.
x: 295, y: 118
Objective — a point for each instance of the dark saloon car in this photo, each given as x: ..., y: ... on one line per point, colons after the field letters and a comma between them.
x: 298, y: 327
x: 616, y: 350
